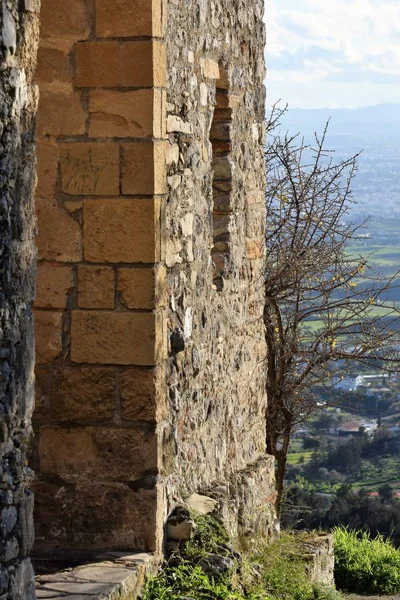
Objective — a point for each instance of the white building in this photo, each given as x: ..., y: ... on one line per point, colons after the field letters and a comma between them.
x: 348, y: 384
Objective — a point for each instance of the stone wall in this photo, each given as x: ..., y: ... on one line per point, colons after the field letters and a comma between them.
x: 100, y: 298
x: 18, y: 98
x: 215, y: 219
x: 150, y: 346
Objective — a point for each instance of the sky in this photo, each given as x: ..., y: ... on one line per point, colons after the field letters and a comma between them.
x: 333, y: 53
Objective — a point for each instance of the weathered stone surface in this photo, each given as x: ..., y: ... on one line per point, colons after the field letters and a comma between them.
x: 54, y: 70
x: 52, y: 286
x: 83, y: 394
x: 97, y: 64
x: 143, y: 169
x: 113, y: 454
x: 131, y: 515
x: 129, y: 18
x: 96, y: 287
x: 113, y: 382
x: 318, y: 552
x: 137, y: 389
x: 130, y: 114
x: 215, y: 373
x: 47, y: 163
x: 59, y: 237
x: 142, y: 288
x: 61, y: 114
x: 114, y: 338
x: 90, y: 169
x: 122, y: 231
x: 48, y: 334
x: 125, y: 572
x: 181, y: 531
x: 65, y: 21
x: 108, y: 64
x: 143, y: 64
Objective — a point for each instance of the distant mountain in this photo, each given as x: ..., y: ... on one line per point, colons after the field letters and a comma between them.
x: 380, y: 119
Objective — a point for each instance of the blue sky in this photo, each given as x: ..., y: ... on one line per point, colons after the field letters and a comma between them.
x: 333, y: 53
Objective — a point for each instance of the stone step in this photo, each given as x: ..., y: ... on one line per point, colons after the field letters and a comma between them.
x: 115, y: 576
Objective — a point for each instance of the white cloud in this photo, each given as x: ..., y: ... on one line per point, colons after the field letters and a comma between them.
x: 333, y: 40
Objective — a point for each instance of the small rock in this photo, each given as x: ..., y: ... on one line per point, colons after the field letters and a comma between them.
x: 202, y: 504
x: 178, y: 343
x: 180, y: 526
x: 183, y: 531
x: 215, y: 565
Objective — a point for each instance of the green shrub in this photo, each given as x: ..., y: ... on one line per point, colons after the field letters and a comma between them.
x: 364, y: 564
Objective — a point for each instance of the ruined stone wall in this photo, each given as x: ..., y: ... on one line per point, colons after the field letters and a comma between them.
x: 18, y: 99
x: 215, y: 219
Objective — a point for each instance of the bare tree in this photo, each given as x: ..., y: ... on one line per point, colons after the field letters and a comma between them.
x: 321, y: 306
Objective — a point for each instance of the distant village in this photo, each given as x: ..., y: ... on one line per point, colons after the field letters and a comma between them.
x: 377, y: 394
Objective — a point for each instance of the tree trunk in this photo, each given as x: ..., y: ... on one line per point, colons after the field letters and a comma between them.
x: 281, y: 462
x: 19, y: 22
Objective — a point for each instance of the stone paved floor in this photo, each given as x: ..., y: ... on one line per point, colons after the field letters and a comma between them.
x: 117, y: 576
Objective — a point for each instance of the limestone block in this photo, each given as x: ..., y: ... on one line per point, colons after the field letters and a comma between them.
x: 105, y: 515
x: 96, y: 287
x: 97, y: 64
x: 52, y: 286
x: 137, y: 389
x: 143, y: 168
x: 136, y: 114
x: 48, y: 334
x: 65, y: 20
x: 108, y: 64
x: 114, y: 338
x: 47, y: 164
x: 142, y: 288
x: 143, y: 64
x: 129, y: 18
x: 59, y: 237
x: 82, y: 394
x: 90, y: 168
x: 98, y: 453
x: 54, y: 70
x: 60, y: 113
x: 122, y: 231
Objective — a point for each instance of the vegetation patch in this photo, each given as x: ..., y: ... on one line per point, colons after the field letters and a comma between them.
x: 208, y: 568
x: 364, y: 564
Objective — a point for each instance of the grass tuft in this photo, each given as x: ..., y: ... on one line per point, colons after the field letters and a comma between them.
x: 364, y: 564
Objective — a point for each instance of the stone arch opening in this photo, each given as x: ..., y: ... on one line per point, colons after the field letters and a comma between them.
x: 221, y: 143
